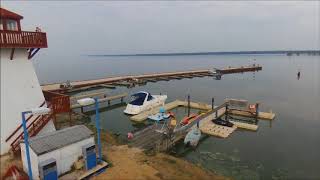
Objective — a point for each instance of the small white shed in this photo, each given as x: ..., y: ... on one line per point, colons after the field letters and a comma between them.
x: 65, y: 146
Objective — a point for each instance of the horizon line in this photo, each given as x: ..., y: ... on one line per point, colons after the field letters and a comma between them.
x: 213, y: 53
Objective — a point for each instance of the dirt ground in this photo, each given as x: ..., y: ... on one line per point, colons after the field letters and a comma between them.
x: 132, y: 163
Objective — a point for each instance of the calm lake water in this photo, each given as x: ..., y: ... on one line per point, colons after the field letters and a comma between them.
x: 287, y: 148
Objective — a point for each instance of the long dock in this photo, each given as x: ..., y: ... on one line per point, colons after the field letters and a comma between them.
x: 132, y: 79
x: 110, y: 80
x: 231, y: 70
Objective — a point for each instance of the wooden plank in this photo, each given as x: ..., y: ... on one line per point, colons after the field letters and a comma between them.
x: 162, y: 79
x: 242, y: 125
x: 150, y: 80
x: 187, y: 76
x: 176, y: 77
x: 94, y: 170
x: 108, y: 86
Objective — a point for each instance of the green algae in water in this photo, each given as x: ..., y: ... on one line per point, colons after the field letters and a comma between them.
x: 230, y: 165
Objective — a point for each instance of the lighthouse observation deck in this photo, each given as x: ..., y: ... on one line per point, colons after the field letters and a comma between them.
x: 22, y: 39
x: 11, y: 35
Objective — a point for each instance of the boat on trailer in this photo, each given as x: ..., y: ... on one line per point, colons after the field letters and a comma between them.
x: 143, y: 101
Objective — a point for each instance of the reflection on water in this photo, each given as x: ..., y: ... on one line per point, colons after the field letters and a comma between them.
x: 287, y: 149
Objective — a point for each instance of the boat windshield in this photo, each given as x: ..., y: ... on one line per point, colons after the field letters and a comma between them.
x: 150, y: 97
x: 138, y: 99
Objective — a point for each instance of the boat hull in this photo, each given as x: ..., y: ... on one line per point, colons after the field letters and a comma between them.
x: 158, y: 100
x: 193, y: 137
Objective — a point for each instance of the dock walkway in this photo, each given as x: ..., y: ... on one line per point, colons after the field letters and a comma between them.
x: 208, y: 127
x: 158, y: 137
x: 110, y: 80
x: 130, y: 80
x: 169, y: 106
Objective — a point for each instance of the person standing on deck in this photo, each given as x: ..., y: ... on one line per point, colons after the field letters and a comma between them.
x: 298, y: 75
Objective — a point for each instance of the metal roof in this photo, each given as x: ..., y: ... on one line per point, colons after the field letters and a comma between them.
x: 58, y: 139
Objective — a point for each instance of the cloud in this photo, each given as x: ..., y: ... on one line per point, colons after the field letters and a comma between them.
x: 83, y: 27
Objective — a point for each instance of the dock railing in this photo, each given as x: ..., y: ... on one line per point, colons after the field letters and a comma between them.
x: 60, y: 103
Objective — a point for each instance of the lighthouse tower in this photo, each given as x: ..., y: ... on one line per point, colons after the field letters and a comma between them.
x: 20, y: 88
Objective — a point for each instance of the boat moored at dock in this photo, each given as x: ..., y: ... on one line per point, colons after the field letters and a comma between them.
x: 142, y: 101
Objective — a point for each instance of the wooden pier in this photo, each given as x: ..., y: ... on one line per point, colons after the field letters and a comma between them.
x: 231, y: 70
x: 208, y: 127
x: 131, y: 80
x: 159, y: 138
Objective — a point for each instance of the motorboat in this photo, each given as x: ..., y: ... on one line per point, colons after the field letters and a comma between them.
x: 143, y: 101
x: 193, y: 137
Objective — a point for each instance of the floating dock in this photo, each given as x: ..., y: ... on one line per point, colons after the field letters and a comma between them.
x: 138, y: 79
x: 144, y: 115
x: 208, y: 127
x: 158, y: 136
x: 246, y: 126
x: 261, y: 115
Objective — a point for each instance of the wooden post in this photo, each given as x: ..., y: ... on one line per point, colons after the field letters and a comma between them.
x: 257, y: 112
x: 212, y: 103
x: 227, y: 112
x: 188, y: 105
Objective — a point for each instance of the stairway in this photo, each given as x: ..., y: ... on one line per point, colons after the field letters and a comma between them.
x: 33, y: 128
x: 58, y: 103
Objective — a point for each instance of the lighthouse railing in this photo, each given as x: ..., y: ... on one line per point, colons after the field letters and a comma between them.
x: 22, y: 39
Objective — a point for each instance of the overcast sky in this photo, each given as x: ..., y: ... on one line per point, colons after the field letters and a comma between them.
x: 106, y: 27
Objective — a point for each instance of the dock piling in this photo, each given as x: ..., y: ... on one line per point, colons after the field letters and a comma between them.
x: 188, y: 105
x: 212, y: 103
x: 226, y: 113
